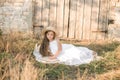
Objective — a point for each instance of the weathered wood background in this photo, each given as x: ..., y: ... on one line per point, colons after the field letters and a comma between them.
x: 75, y: 19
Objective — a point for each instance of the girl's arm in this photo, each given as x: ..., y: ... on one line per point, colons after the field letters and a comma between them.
x: 58, y: 51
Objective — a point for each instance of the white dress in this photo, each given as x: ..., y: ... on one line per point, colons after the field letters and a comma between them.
x: 70, y: 54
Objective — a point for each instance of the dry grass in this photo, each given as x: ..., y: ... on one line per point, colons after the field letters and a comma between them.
x: 114, y: 73
x: 10, y: 69
x: 111, y: 75
x: 117, y: 52
x: 17, y: 62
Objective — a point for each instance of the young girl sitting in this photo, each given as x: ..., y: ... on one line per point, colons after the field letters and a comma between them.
x: 51, y: 50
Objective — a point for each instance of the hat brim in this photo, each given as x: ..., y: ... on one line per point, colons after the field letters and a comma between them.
x: 50, y: 29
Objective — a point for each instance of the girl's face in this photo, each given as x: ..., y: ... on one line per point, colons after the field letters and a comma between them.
x: 50, y: 35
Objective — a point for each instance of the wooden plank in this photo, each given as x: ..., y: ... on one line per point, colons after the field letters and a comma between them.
x: 79, y: 19
x: 45, y: 12
x: 52, y: 13
x: 94, y: 19
x: 66, y: 17
x: 87, y: 20
x: 107, y: 18
x: 102, y: 19
x: 72, y: 21
x: 60, y: 19
x: 37, y: 13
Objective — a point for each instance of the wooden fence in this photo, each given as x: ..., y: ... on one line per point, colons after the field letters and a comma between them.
x: 75, y: 19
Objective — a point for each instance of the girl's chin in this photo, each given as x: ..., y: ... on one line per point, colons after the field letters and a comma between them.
x: 50, y: 39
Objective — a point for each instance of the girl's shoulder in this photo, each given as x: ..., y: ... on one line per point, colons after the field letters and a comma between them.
x: 55, y: 41
x: 58, y: 41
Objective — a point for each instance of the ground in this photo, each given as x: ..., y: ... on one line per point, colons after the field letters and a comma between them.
x: 18, y: 63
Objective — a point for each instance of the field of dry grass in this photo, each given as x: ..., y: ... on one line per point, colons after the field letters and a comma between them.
x: 18, y: 63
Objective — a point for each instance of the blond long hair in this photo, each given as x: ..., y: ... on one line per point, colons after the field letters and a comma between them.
x: 44, y: 48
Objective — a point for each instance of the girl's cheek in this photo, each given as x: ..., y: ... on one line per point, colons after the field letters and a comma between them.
x: 52, y: 36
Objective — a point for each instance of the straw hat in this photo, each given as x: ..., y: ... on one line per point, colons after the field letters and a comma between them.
x: 50, y: 28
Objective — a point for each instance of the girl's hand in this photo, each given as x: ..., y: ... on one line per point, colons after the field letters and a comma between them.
x: 53, y: 57
x: 37, y: 47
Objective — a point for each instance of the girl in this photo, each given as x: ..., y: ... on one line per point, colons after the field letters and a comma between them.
x: 65, y: 53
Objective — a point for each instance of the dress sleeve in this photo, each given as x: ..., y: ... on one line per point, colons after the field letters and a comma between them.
x: 36, y: 52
